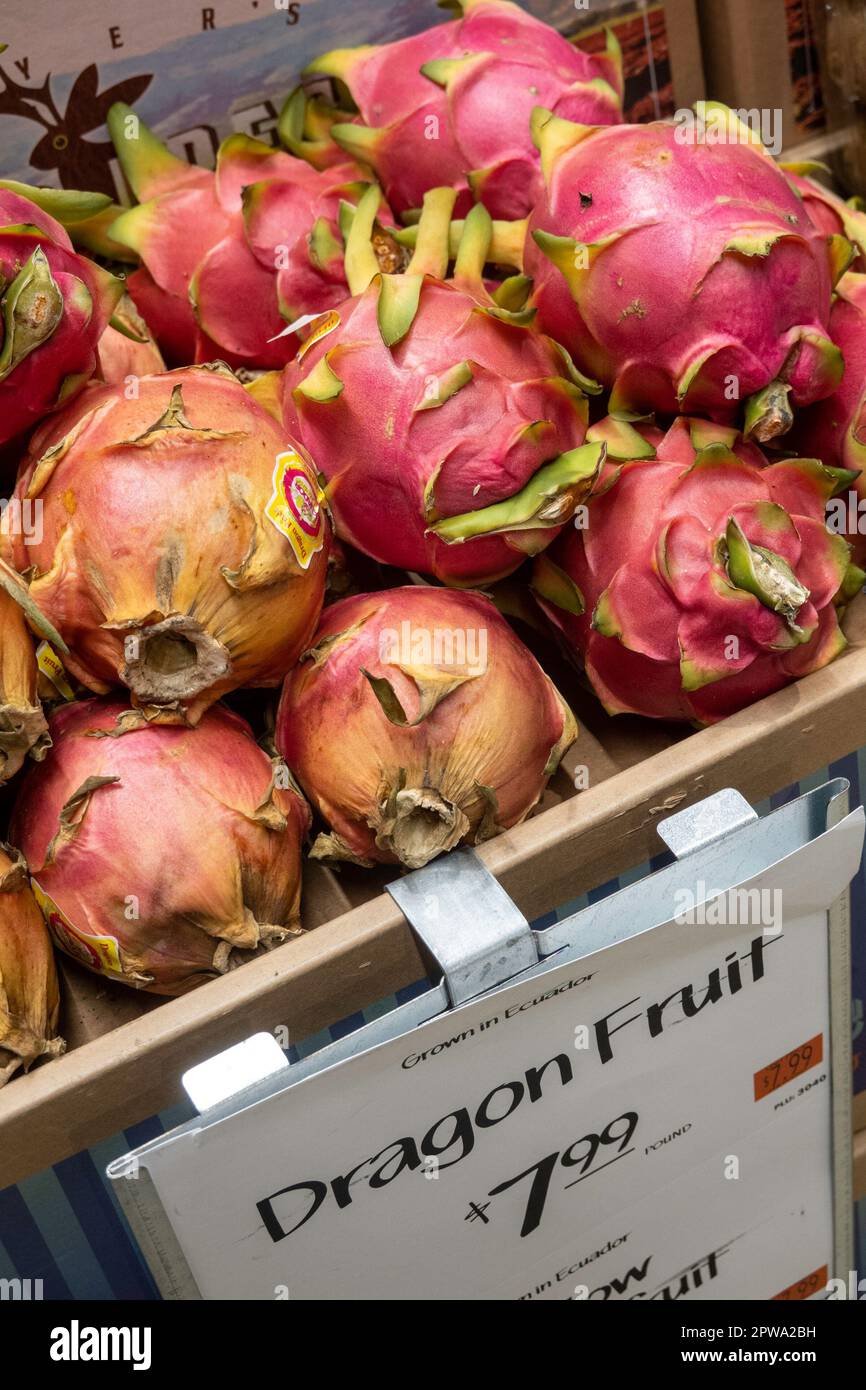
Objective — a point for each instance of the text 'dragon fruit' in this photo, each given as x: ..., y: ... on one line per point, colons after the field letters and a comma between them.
x: 54, y: 305
x: 450, y: 438
x: 452, y: 105
x: 418, y: 722
x: 697, y: 587
x: 680, y: 268
x: 835, y: 429
x: 23, y: 728
x: 158, y: 853
x: 229, y: 259
x: 29, y: 992
x: 183, y: 550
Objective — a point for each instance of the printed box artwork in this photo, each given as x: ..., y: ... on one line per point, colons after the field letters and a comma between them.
x: 237, y: 56
x: 805, y: 72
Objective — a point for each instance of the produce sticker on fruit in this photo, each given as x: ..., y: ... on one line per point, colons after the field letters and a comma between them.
x: 294, y: 507
x: 322, y: 327
x: 99, y: 953
x: 589, y: 1132
x: 52, y: 668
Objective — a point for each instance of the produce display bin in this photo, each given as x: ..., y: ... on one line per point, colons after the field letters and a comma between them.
x: 127, y: 1051
x: 65, y: 1225
x: 215, y: 70
x: 197, y: 75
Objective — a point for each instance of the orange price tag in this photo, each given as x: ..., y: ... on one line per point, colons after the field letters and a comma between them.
x: 794, y: 1063
x: 805, y: 1287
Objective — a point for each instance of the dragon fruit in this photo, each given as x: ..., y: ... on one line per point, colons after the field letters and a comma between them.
x: 54, y: 308
x: 627, y: 440
x: 680, y: 268
x: 183, y: 550
x: 457, y: 99
x: 828, y: 212
x: 229, y: 259
x: 126, y: 348
x: 23, y: 728
x: 29, y: 992
x: 834, y: 430
x: 451, y: 442
x: 157, y: 854
x: 417, y: 722
x: 696, y: 587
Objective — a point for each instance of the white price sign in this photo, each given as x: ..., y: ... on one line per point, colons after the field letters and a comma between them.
x: 657, y: 1110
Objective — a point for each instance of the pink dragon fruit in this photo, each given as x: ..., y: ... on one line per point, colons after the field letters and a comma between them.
x: 697, y: 586
x: 161, y: 855
x: 183, y: 550
x: 126, y: 348
x: 679, y: 268
x: 835, y: 429
x: 418, y: 721
x: 828, y: 212
x: 449, y: 439
x: 229, y: 259
x: 626, y: 440
x: 54, y: 308
x: 457, y: 99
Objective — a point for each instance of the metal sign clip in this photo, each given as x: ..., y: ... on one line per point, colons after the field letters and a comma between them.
x: 467, y: 922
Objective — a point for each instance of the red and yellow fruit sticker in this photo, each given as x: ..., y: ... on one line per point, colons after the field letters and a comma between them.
x: 99, y: 953
x: 295, y: 507
x: 321, y: 328
x: 52, y: 668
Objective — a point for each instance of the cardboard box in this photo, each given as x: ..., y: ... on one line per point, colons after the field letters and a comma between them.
x: 764, y: 56
x: 840, y: 31
x: 128, y: 1051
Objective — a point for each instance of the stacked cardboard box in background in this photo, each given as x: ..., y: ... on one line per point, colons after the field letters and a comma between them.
x: 765, y: 56
x: 840, y: 30
x: 804, y: 58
